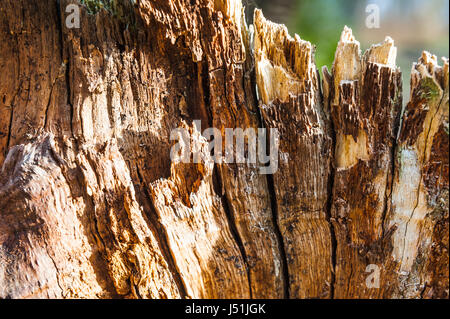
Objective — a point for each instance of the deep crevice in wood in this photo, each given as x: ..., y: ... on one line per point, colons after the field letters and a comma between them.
x: 273, y: 205
x: 162, y: 238
x: 217, y: 180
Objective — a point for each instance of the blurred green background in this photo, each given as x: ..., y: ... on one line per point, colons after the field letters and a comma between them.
x: 415, y: 25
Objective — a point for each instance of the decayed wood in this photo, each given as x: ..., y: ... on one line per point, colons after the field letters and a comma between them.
x: 91, y: 205
x: 365, y: 101
x: 288, y: 85
x: 232, y: 104
x: 193, y: 216
x: 420, y: 192
x: 85, y: 239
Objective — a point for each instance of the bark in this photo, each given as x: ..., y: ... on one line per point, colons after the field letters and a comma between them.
x: 91, y: 205
x: 419, y: 203
x: 365, y: 101
x: 288, y: 85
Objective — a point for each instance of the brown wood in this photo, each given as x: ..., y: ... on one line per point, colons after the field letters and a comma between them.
x: 91, y: 205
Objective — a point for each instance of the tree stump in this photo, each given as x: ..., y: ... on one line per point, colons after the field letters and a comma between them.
x: 93, y: 206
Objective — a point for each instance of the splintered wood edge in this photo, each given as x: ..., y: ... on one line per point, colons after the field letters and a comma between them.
x: 349, y: 67
x: 429, y: 96
x: 232, y: 9
x: 284, y: 64
x: 347, y: 61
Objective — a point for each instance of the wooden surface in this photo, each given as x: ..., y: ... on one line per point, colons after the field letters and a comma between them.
x: 91, y: 205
